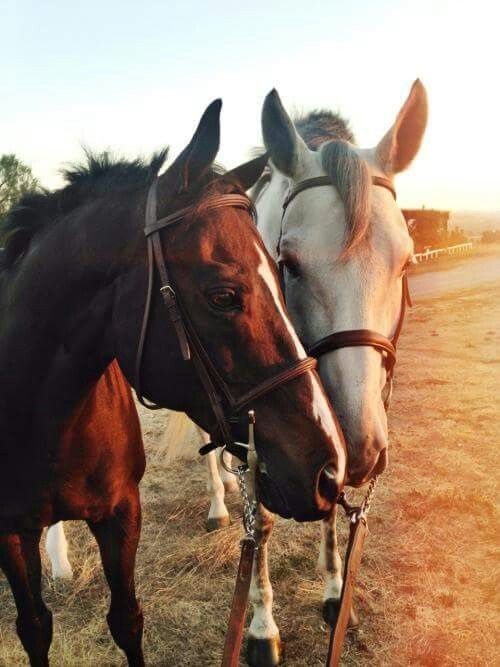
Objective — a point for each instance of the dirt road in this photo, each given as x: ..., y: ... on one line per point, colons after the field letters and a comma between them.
x: 427, y: 593
x: 470, y: 273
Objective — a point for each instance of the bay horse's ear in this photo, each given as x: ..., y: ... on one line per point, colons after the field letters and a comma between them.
x: 247, y: 174
x: 199, y: 154
x: 285, y: 146
x: 401, y: 144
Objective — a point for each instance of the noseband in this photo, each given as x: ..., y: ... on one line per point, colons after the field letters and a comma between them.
x: 355, y: 337
x: 225, y: 406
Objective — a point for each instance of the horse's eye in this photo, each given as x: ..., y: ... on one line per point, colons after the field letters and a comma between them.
x: 224, y: 298
x: 292, y: 267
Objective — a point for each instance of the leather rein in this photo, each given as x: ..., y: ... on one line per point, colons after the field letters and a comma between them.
x: 354, y: 337
x: 225, y: 406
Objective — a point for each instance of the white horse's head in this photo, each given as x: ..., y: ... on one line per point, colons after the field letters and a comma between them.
x: 344, y: 248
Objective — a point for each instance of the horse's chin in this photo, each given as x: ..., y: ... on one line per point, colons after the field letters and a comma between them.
x: 269, y: 494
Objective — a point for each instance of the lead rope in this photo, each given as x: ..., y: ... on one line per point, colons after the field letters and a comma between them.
x: 358, y: 528
x: 234, y: 634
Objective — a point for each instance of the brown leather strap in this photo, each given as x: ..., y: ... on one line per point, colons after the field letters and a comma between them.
x: 169, y: 296
x: 357, y: 536
x: 315, y: 182
x: 290, y: 373
x: 319, y: 181
x: 384, y: 182
x: 144, y: 331
x: 354, y: 338
x: 234, y: 634
x: 210, y: 204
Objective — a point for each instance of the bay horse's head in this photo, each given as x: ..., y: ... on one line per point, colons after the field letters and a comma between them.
x: 344, y: 247
x: 228, y: 288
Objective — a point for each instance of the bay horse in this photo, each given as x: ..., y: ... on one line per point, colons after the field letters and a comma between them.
x: 328, y: 217
x: 72, y: 299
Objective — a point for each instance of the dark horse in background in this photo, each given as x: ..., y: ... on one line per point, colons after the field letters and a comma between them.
x: 72, y: 295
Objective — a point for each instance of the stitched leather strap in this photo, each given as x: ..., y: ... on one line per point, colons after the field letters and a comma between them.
x: 234, y: 635
x: 294, y: 371
x: 354, y: 338
x: 210, y: 204
x: 319, y: 181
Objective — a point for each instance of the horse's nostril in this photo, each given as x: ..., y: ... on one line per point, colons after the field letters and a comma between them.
x: 330, y: 473
x: 328, y: 484
x: 381, y: 463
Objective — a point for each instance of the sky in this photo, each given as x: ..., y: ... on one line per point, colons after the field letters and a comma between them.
x: 134, y: 76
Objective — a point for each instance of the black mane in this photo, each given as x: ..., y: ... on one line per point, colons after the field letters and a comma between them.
x: 322, y: 125
x: 99, y: 174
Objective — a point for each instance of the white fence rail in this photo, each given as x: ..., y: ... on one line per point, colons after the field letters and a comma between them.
x: 460, y: 249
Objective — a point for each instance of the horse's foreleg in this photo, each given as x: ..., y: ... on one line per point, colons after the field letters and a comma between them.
x: 57, y: 549
x: 20, y: 560
x: 264, y: 646
x: 330, y: 566
x: 117, y: 538
x: 218, y: 515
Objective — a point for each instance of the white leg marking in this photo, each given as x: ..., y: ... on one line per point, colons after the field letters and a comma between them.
x: 229, y: 480
x: 215, y: 486
x: 57, y: 549
x: 263, y: 625
x: 329, y: 562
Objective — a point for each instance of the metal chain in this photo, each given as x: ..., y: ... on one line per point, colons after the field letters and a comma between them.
x: 366, y: 504
x: 249, y: 506
x: 356, y: 512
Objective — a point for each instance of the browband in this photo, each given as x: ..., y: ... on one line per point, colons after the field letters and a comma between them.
x: 210, y: 204
x: 318, y: 181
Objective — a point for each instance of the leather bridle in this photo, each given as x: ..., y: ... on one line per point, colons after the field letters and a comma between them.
x: 354, y: 337
x: 225, y: 405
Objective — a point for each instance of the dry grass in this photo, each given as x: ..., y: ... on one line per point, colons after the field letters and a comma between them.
x: 426, y: 595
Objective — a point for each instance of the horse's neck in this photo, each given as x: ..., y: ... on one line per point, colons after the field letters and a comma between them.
x: 41, y: 301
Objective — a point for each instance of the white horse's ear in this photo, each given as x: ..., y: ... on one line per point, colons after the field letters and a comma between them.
x: 400, y: 145
x: 282, y: 141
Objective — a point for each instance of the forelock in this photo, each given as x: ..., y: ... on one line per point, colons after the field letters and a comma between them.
x: 351, y: 177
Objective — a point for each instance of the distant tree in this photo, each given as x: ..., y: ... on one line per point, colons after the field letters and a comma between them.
x: 16, y: 178
x: 456, y: 236
x: 491, y: 236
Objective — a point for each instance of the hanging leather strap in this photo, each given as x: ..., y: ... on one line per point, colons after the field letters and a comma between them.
x: 234, y: 635
x: 357, y: 536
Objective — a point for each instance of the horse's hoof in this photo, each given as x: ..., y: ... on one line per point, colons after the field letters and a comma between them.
x: 216, y: 523
x: 263, y: 652
x: 331, y: 609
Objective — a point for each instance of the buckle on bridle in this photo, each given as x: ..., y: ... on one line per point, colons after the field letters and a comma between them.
x: 241, y: 449
x: 168, y: 289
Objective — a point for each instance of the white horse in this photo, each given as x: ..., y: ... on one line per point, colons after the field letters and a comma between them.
x: 344, y: 248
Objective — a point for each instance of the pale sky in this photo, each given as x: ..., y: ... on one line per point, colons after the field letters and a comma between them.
x: 134, y: 76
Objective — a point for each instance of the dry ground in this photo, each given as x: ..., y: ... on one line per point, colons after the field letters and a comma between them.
x: 426, y: 595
